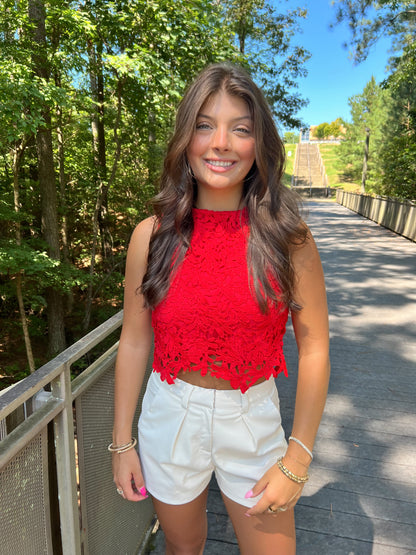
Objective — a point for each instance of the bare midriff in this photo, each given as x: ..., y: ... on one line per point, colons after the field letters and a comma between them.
x: 194, y: 377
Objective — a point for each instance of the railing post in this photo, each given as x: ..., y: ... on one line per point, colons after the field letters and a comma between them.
x: 66, y: 465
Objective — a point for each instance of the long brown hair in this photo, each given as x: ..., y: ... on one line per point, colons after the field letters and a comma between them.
x: 273, y: 212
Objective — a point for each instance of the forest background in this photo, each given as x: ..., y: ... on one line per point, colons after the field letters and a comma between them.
x: 88, y: 91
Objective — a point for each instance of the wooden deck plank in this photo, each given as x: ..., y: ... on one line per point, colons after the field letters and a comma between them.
x: 342, y: 501
x: 318, y: 543
x: 357, y: 527
x: 328, y: 478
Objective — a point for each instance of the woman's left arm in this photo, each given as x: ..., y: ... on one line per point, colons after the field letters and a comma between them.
x: 310, y: 325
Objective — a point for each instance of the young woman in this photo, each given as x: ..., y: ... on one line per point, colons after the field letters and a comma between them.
x: 213, y: 275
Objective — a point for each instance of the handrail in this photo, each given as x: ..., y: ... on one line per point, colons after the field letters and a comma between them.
x: 28, y: 429
x: 57, y: 464
x: 13, y: 397
x: 393, y: 214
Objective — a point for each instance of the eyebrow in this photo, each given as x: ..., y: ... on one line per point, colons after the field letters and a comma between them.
x: 239, y: 118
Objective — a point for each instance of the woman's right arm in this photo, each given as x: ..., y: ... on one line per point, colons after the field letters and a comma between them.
x: 133, y: 353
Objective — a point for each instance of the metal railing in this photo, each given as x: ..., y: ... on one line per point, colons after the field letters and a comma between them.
x: 395, y: 214
x: 57, y: 494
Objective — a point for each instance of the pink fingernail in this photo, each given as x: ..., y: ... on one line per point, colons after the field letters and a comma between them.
x: 246, y: 514
x: 143, y: 491
x: 249, y: 494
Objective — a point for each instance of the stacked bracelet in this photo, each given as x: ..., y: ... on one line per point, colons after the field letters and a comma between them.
x: 298, y: 441
x: 122, y: 448
x: 290, y: 475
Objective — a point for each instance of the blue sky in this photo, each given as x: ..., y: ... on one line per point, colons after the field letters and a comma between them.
x: 332, y: 76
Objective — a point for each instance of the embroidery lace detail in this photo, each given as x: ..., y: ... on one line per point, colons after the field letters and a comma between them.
x: 210, y: 321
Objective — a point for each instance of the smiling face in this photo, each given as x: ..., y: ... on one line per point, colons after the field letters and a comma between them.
x: 222, y: 151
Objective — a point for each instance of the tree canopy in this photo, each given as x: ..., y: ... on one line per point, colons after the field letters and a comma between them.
x: 264, y: 35
x: 369, y: 20
x: 392, y: 169
x: 88, y: 91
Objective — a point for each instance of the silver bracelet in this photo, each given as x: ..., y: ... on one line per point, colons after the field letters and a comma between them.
x: 119, y: 449
x: 298, y: 441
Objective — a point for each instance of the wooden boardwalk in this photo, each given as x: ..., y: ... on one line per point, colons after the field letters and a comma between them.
x: 361, y: 498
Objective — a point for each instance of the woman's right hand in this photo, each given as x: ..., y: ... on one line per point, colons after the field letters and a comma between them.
x: 128, y: 477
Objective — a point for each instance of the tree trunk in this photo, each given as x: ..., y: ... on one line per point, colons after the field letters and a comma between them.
x: 47, y: 182
x: 62, y: 195
x: 98, y: 204
x: 242, y: 38
x: 365, y: 161
x: 99, y: 146
x: 17, y: 156
x: 23, y: 319
x: 50, y: 229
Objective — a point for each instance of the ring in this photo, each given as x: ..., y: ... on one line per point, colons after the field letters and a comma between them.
x: 120, y: 491
x: 276, y: 510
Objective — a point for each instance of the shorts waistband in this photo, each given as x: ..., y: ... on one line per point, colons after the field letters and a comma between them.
x: 223, y: 399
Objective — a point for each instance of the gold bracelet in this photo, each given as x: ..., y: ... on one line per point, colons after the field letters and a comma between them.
x: 290, y: 475
x: 119, y: 449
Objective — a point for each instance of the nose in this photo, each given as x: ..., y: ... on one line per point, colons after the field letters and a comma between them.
x: 220, y: 139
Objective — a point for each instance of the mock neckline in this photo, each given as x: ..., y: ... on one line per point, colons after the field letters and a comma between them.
x: 218, y: 213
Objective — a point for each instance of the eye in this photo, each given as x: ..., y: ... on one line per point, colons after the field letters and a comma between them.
x: 243, y: 130
x: 203, y: 126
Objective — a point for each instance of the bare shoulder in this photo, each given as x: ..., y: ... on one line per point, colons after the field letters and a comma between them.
x: 140, y: 238
x: 143, y: 231
x: 309, y: 286
x: 136, y: 319
x: 139, y: 247
x: 305, y: 253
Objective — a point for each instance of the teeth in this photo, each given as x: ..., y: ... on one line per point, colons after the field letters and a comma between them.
x: 220, y: 163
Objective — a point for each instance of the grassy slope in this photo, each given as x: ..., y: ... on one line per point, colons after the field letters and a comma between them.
x: 333, y: 168
x: 287, y: 177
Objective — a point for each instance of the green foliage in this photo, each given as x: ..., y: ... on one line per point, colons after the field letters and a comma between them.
x: 369, y: 20
x: 328, y: 130
x: 143, y: 54
x: 291, y: 137
x: 322, y: 131
x: 368, y: 112
x: 397, y: 153
x: 394, y: 159
x: 264, y: 33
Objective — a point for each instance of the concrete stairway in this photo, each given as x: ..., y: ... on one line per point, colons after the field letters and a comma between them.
x: 307, y: 177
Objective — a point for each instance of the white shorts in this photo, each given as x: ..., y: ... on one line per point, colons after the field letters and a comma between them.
x: 187, y: 432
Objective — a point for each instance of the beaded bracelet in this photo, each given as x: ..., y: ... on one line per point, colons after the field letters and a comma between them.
x: 290, y: 475
x: 298, y: 441
x: 119, y: 449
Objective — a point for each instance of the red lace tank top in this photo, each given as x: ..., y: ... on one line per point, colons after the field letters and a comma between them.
x: 210, y: 321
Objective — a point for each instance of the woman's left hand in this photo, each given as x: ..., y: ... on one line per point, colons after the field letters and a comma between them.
x: 280, y: 493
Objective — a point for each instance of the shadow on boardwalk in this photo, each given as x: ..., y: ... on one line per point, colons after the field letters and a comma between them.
x: 361, y: 498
